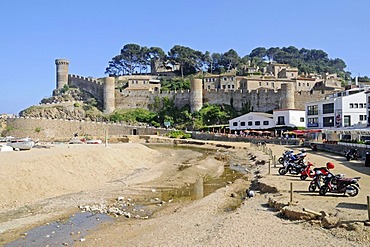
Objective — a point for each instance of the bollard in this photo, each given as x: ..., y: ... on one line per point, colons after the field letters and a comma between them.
x: 275, y: 161
x: 106, y: 137
x: 291, y: 192
x: 368, y: 207
x: 269, y: 167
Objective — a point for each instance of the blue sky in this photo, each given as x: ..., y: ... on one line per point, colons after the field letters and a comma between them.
x: 89, y: 33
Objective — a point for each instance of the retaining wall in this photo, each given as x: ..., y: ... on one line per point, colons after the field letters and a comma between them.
x: 62, y: 130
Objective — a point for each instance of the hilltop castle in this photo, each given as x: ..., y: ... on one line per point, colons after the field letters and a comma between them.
x: 279, y: 87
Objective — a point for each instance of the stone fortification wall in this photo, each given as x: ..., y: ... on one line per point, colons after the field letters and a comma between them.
x: 95, y: 87
x: 63, y: 130
x: 300, y: 98
x: 261, y: 100
x: 144, y: 99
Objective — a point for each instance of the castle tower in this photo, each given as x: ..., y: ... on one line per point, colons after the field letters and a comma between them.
x: 62, y: 73
x: 108, y: 96
x: 287, y: 96
x: 196, y: 95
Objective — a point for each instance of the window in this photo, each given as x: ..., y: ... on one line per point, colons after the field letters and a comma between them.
x: 312, y: 110
x: 235, y: 124
x: 228, y: 86
x: 308, y: 84
x: 267, y: 83
x: 350, y: 105
x: 356, y: 105
x: 232, y: 78
x: 299, y: 84
x: 347, y: 120
x: 232, y: 86
x: 242, y: 123
x: 361, y: 105
x: 225, y: 78
x: 301, y: 119
x: 328, y: 108
x: 260, y: 83
x: 328, y: 121
x: 362, y: 117
x: 223, y: 87
x: 272, y: 84
x: 313, y: 122
x: 281, y: 120
x: 250, y: 123
x: 265, y: 122
x: 257, y: 123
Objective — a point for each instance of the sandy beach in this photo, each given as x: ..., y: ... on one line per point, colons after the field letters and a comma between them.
x: 52, y: 181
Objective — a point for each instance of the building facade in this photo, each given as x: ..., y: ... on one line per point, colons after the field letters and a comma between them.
x: 343, y: 109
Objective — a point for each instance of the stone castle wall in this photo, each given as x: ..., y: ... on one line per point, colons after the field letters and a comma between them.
x: 94, y: 87
x: 261, y: 100
x: 62, y: 130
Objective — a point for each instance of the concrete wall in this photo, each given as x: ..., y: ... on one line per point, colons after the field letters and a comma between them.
x: 63, y: 130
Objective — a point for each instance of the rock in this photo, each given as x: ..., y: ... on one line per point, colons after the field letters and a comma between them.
x: 367, y: 223
x: 120, y: 198
x: 329, y: 222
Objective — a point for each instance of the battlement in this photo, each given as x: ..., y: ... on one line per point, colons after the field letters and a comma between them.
x: 87, y: 79
x: 61, y: 62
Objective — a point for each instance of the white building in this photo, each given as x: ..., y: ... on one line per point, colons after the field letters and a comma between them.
x: 290, y: 118
x: 253, y: 121
x: 343, y: 109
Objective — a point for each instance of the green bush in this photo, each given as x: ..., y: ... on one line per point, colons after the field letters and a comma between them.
x: 178, y: 134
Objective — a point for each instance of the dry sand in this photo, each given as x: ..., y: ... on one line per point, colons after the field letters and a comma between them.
x: 44, y: 183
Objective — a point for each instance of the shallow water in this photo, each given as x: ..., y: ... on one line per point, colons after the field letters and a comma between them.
x: 78, y: 226
x: 61, y: 233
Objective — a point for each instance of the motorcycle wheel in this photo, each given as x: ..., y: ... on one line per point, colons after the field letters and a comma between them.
x: 323, y: 190
x: 282, y: 171
x: 312, y: 187
x: 303, y: 177
x: 354, y: 193
x: 281, y: 160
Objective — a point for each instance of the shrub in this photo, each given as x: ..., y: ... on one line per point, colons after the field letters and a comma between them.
x: 178, y: 134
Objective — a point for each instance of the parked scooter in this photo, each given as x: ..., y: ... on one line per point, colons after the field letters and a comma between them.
x: 339, y: 184
x: 352, y: 154
x: 293, y: 166
x: 288, y: 155
x: 319, y: 175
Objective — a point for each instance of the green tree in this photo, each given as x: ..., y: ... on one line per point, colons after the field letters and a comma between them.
x: 189, y: 60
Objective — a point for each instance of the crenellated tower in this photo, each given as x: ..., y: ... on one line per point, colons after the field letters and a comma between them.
x: 62, y: 73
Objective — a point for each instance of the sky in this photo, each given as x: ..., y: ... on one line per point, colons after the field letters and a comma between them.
x: 90, y: 32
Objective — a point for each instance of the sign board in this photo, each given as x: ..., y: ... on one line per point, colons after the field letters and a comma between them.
x: 167, y: 124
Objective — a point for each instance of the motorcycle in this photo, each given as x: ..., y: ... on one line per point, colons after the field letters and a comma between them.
x: 293, y: 166
x: 291, y: 157
x: 286, y: 156
x: 339, y: 184
x: 351, y: 154
x: 319, y: 176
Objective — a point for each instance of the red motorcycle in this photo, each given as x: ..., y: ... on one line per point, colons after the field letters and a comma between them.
x: 319, y: 176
